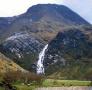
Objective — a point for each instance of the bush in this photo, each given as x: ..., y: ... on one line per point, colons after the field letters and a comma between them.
x: 23, y: 77
x: 12, y: 76
x: 32, y: 78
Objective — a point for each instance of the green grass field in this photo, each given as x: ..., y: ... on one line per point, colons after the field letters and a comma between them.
x: 54, y: 83
x: 1, y: 88
x: 59, y: 83
x: 25, y: 87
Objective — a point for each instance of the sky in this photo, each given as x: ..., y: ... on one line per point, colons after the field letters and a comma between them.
x: 15, y: 7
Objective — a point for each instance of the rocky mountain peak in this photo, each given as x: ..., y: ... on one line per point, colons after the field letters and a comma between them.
x: 54, y: 10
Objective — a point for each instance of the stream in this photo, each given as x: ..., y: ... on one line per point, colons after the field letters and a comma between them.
x: 40, y: 66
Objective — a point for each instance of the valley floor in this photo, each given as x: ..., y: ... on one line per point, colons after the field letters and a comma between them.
x: 66, y: 88
x: 54, y: 84
x: 59, y: 83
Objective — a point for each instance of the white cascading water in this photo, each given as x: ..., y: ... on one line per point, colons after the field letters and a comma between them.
x: 40, y: 66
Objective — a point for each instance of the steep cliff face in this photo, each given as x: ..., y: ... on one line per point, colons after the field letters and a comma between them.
x: 23, y: 48
x: 67, y: 51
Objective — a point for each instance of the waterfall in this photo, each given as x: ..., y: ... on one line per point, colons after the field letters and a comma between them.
x: 40, y: 66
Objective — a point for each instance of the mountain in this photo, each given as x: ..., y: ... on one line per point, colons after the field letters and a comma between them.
x: 40, y: 19
x: 24, y: 36
x: 55, y: 12
x: 69, y: 55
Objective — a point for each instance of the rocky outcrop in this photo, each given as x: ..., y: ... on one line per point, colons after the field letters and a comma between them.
x: 69, y: 49
x: 23, y: 48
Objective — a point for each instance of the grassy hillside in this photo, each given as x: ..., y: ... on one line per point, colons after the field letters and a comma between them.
x: 8, y: 65
x: 76, y: 70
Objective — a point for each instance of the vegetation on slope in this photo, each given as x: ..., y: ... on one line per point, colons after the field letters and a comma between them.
x: 8, y: 65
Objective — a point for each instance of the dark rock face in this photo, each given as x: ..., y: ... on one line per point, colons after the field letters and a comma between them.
x: 23, y: 48
x: 68, y: 46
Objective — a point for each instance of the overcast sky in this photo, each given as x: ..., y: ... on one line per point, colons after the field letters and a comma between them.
x: 16, y: 7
